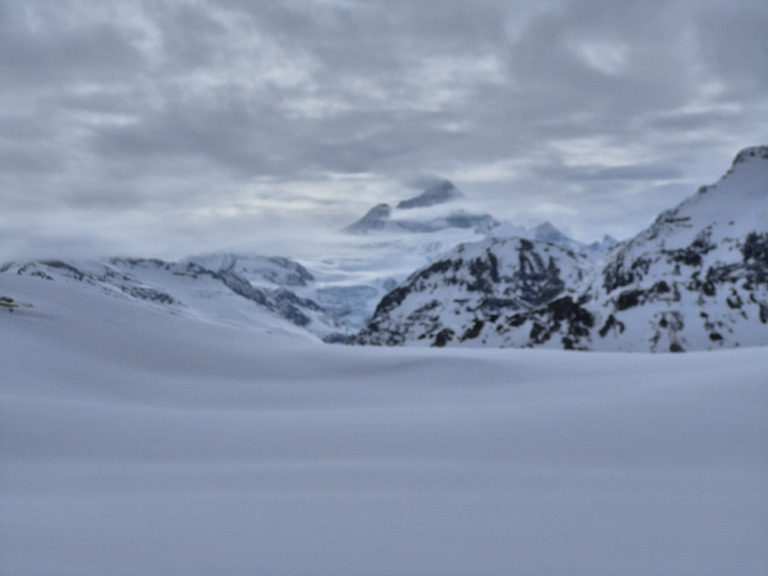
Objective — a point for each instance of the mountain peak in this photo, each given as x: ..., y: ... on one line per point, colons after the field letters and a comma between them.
x: 751, y: 153
x: 546, y: 232
x: 438, y: 192
x: 383, y: 217
x: 374, y: 219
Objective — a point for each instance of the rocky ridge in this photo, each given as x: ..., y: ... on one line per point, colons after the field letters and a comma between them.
x: 697, y: 278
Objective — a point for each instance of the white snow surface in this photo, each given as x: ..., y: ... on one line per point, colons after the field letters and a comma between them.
x: 137, y: 442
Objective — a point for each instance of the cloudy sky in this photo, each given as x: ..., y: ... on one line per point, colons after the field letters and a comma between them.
x: 172, y: 127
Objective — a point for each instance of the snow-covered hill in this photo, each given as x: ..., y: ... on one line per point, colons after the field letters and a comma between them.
x: 252, y: 292
x: 139, y: 442
x: 696, y: 279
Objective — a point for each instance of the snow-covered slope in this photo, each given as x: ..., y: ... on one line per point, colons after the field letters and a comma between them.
x: 335, y: 298
x: 139, y: 442
x: 697, y: 278
x: 247, y: 292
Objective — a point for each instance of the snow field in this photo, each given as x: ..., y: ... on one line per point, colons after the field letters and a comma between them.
x: 136, y: 442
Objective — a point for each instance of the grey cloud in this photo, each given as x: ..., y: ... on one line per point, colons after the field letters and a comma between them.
x: 633, y: 172
x: 732, y: 46
x: 44, y: 50
x: 173, y: 106
x: 29, y: 160
x: 225, y: 134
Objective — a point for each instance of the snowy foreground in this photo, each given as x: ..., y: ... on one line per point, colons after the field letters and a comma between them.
x: 138, y: 442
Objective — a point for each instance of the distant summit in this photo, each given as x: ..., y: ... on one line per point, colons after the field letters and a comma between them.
x: 383, y: 217
x: 437, y: 193
x: 751, y: 153
x: 375, y: 219
x: 546, y: 232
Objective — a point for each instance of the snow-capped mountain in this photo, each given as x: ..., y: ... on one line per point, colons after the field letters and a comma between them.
x: 411, y: 216
x: 697, y: 278
x: 453, y: 298
x: 418, y: 214
x: 224, y: 288
x: 412, y: 234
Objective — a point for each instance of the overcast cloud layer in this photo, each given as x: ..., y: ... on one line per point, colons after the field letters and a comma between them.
x: 169, y: 128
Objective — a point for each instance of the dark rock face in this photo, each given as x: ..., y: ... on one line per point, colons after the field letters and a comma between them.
x: 485, y: 281
x: 751, y: 153
x: 611, y: 324
x: 242, y: 287
x: 8, y: 303
x: 68, y: 270
x: 437, y: 193
x: 294, y: 274
x: 755, y: 258
x: 293, y: 308
x: 443, y: 337
x: 391, y: 301
x: 537, y: 276
x: 563, y: 318
x: 474, y: 331
x: 637, y: 297
x: 149, y: 294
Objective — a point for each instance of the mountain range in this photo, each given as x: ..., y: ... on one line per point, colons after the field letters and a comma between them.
x: 331, y: 298
x: 697, y: 278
